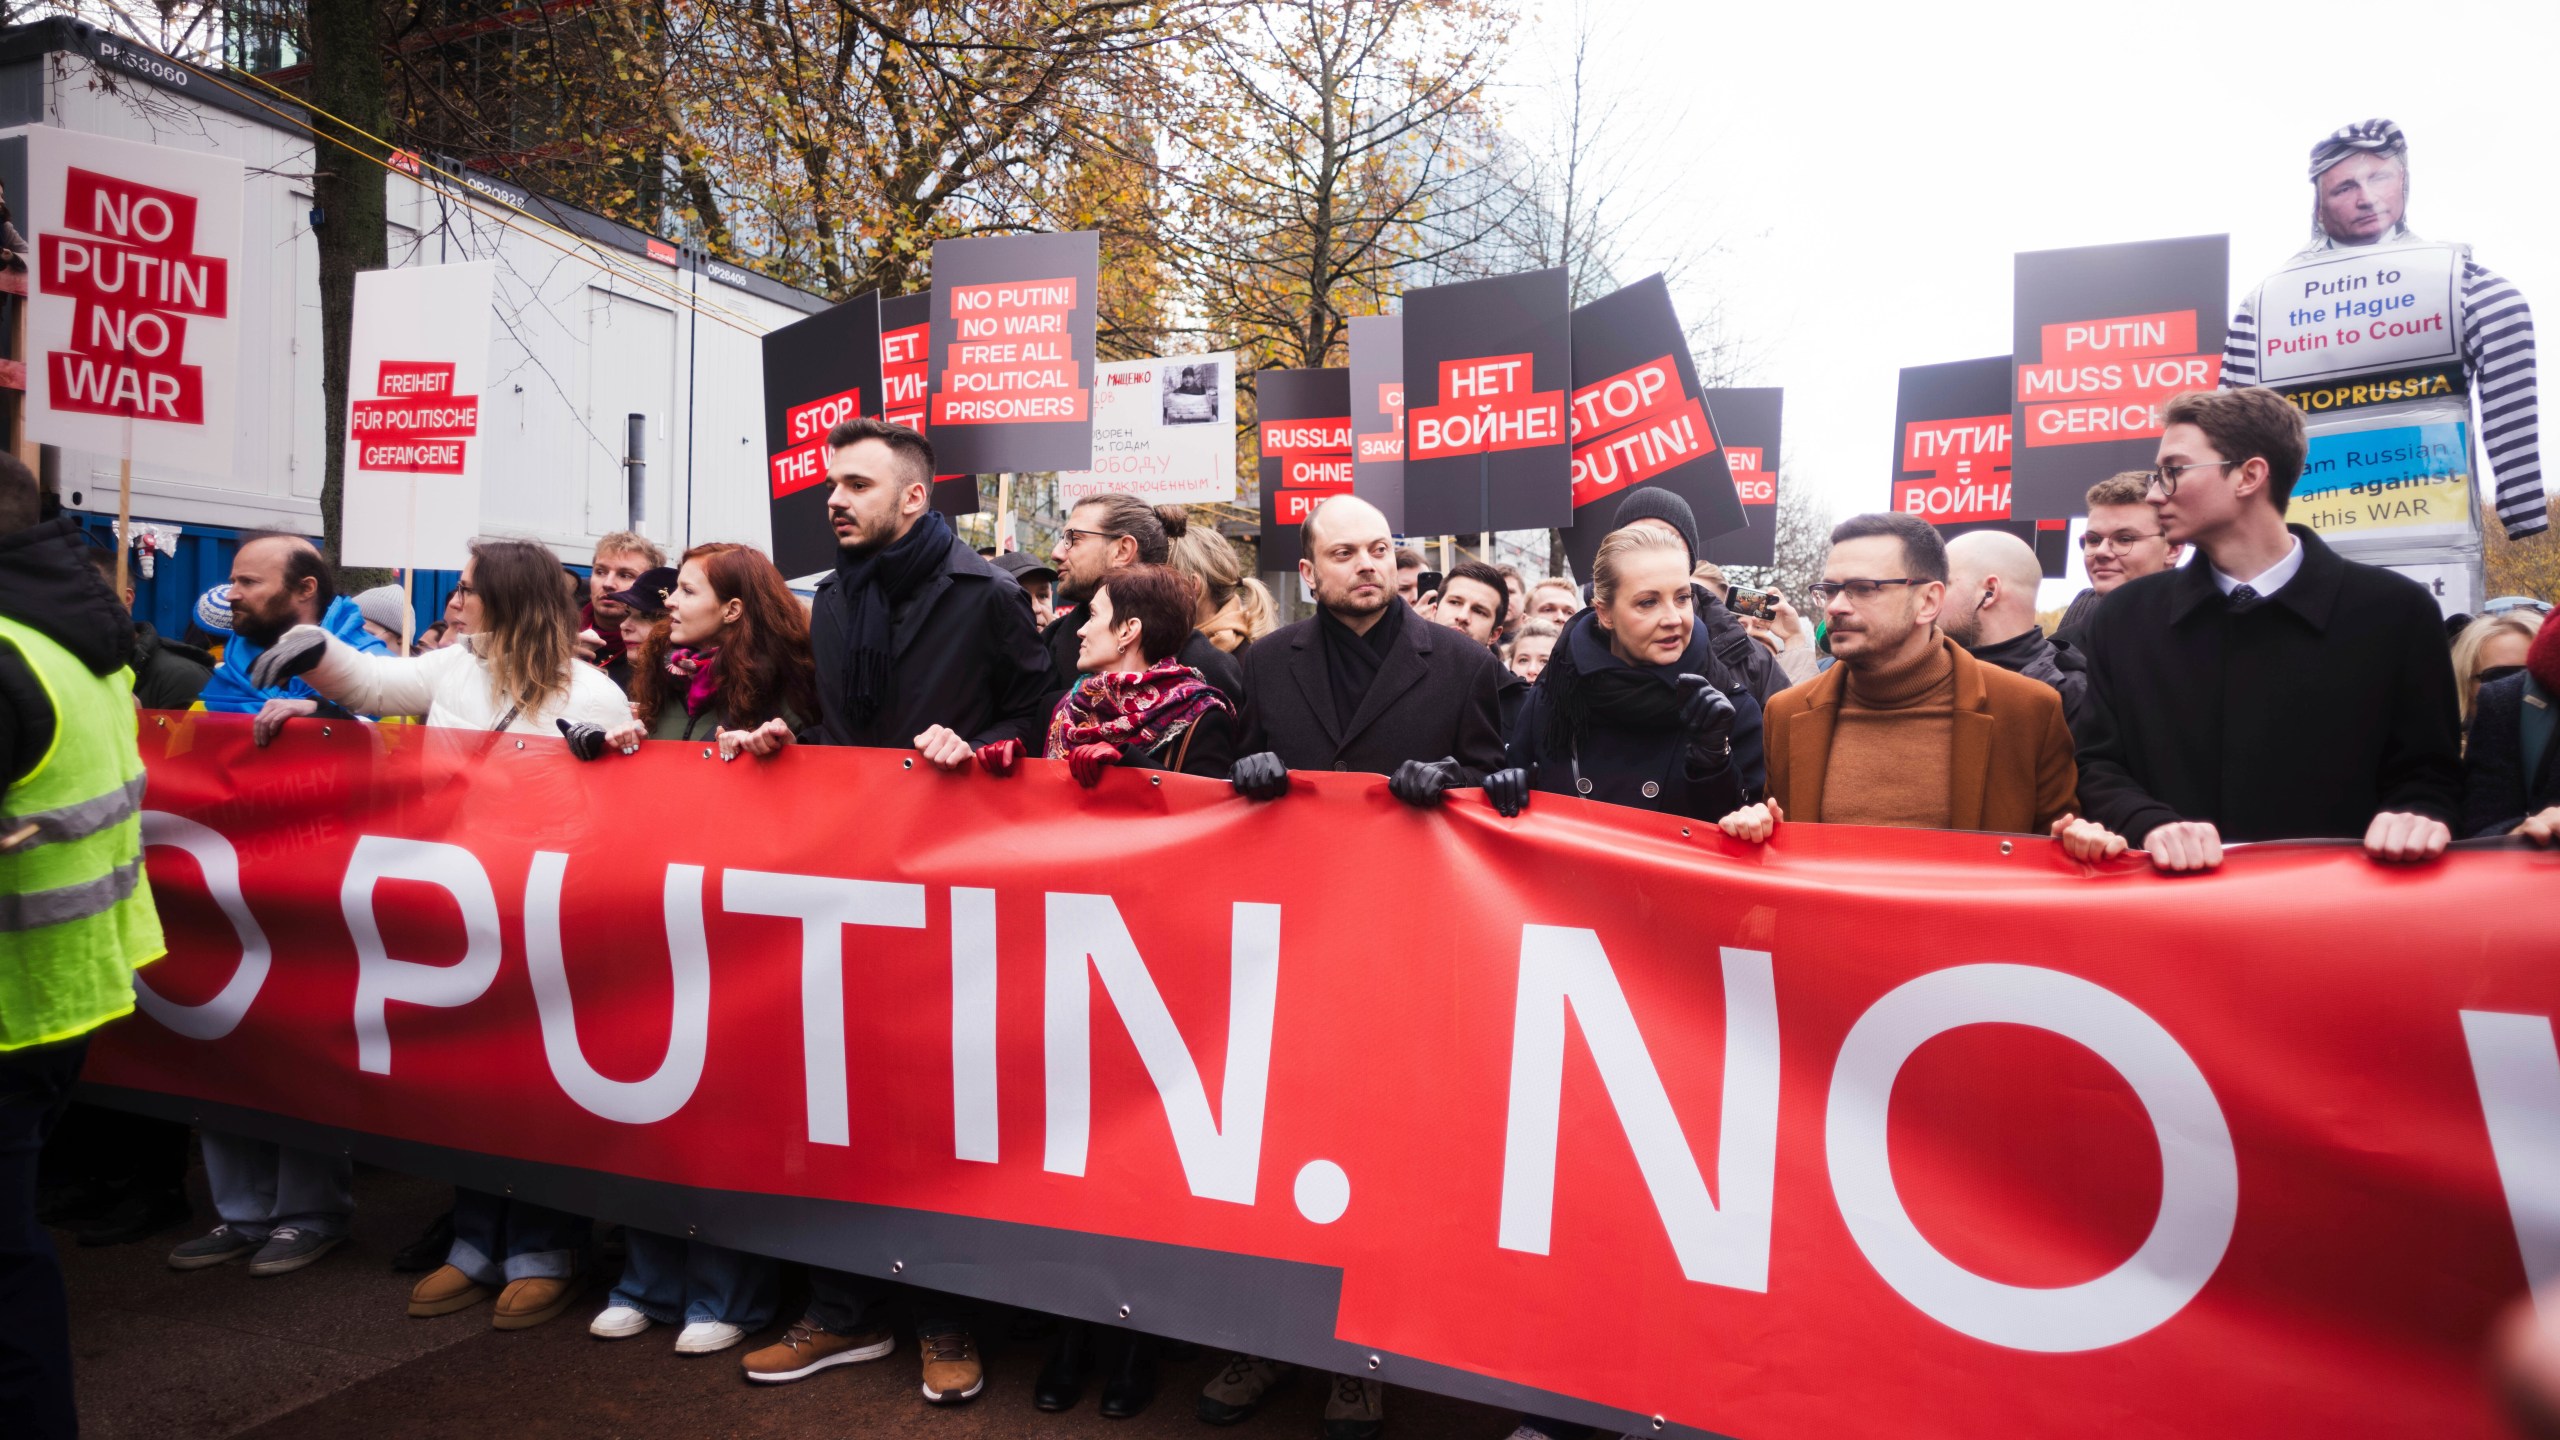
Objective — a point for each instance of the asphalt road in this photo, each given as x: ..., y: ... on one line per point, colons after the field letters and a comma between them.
x: 330, y: 1351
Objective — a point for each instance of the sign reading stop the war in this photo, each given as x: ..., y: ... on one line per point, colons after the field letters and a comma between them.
x: 906, y: 326
x: 1747, y: 420
x: 1303, y: 430
x: 417, y: 365
x: 2105, y: 334
x: 1010, y: 352
x: 1487, y: 367
x: 818, y: 373
x: 1638, y: 419
x: 130, y: 331
x: 1377, y: 414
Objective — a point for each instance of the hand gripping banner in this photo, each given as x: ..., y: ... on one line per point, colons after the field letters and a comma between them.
x: 1593, y: 1112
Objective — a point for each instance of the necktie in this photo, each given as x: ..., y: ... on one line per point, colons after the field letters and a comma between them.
x: 2243, y: 598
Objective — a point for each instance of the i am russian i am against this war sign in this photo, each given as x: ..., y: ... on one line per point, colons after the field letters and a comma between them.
x: 818, y: 373
x: 417, y: 365
x: 130, y: 329
x: 2105, y: 333
x: 1488, y: 365
x: 1303, y: 420
x: 1011, y: 352
x: 1638, y: 418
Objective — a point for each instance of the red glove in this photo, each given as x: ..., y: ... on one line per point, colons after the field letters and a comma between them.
x: 998, y: 757
x: 1087, y: 762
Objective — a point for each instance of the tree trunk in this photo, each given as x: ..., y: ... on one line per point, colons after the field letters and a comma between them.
x: 347, y: 80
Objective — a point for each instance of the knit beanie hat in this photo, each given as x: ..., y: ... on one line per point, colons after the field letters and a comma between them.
x: 2542, y: 659
x: 382, y: 605
x: 1653, y: 502
x: 213, y: 609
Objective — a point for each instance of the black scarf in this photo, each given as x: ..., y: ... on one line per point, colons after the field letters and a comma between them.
x: 1585, y: 682
x: 1352, y: 661
x: 871, y: 582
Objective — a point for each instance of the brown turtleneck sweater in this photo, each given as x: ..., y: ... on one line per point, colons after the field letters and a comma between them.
x: 1893, y: 747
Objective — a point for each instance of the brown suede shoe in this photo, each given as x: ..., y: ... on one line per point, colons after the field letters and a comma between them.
x: 805, y: 1350
x: 528, y: 1302
x: 443, y: 1292
x: 952, y: 1371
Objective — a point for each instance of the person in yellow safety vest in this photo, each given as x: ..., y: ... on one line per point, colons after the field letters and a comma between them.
x: 76, y: 916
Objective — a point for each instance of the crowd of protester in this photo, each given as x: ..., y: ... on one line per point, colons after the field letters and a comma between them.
x: 2266, y: 690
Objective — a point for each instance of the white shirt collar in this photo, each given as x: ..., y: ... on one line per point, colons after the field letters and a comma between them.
x: 2270, y: 580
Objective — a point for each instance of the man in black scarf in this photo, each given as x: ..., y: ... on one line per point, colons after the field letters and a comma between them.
x: 919, y: 642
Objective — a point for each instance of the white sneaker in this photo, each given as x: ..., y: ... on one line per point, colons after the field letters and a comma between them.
x: 618, y: 1322
x: 704, y: 1337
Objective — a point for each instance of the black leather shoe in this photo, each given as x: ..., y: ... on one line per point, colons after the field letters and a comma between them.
x: 1070, y: 1363
x: 1132, y: 1386
x: 139, y: 1215
x: 428, y: 1250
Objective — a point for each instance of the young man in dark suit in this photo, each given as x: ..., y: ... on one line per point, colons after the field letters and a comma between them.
x: 2271, y: 690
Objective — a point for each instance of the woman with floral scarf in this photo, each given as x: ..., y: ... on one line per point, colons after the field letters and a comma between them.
x: 1135, y: 704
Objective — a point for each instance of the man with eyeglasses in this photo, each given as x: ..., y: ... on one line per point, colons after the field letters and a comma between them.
x: 2273, y: 690
x: 1102, y: 534
x: 1909, y: 729
x: 2123, y: 542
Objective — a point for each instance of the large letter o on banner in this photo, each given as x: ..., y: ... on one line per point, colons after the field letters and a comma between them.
x: 2199, y: 1175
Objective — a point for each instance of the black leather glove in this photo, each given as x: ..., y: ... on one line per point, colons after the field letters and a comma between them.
x: 1423, y: 782
x: 1706, y: 711
x: 1259, y: 776
x: 586, y: 741
x: 1508, y: 790
x: 296, y: 651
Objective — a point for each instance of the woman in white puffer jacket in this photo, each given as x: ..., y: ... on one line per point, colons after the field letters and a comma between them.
x: 516, y: 670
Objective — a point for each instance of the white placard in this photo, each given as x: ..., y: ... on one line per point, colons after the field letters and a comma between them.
x: 132, y: 335
x: 2349, y: 312
x: 1164, y: 430
x: 418, y: 365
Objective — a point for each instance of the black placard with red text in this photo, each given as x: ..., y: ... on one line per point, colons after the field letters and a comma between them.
x: 905, y: 323
x: 1302, y: 429
x: 1011, y: 352
x: 2105, y: 333
x: 818, y: 373
x: 1952, y: 448
x: 1748, y: 421
x: 1488, y: 369
x: 1377, y: 414
x: 1638, y: 418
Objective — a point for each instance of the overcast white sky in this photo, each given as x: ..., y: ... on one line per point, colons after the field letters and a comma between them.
x: 1873, y: 168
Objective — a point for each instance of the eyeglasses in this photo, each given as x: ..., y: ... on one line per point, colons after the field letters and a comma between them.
x: 2123, y: 540
x: 464, y: 587
x: 1858, y: 591
x: 1073, y: 535
x: 2166, y: 477
x: 2506, y: 604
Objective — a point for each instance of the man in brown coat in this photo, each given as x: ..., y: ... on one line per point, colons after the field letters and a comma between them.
x: 1909, y: 729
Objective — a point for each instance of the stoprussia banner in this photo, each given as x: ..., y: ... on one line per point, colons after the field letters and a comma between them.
x: 1488, y: 369
x: 1011, y: 352
x: 1937, y: 1132
x: 1638, y: 418
x: 1302, y: 430
x: 2105, y: 334
x: 818, y: 373
x: 1750, y: 422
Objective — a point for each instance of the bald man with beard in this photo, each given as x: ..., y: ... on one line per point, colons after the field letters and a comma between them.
x: 1992, y: 578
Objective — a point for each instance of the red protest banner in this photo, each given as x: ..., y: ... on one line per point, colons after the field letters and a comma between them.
x: 1938, y: 1127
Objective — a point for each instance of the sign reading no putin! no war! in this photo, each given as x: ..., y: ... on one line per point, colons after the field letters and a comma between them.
x: 1303, y: 430
x: 818, y: 373
x: 131, y: 338
x: 1488, y: 368
x: 2105, y: 334
x: 1012, y: 352
x: 1638, y: 419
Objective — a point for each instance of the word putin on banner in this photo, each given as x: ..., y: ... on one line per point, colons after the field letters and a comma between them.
x: 1487, y: 366
x: 130, y: 328
x: 1863, y: 1122
x: 1303, y: 431
x: 2105, y: 334
x: 1637, y: 417
x: 1010, y: 352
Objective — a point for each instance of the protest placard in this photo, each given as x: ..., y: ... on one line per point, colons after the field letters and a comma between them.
x: 1303, y: 430
x: 417, y: 365
x: 1488, y: 365
x: 1164, y: 430
x: 905, y: 326
x: 1638, y: 418
x: 818, y: 373
x: 1748, y: 421
x: 1377, y: 414
x: 1010, y: 352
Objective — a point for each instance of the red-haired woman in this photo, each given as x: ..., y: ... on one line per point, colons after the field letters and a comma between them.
x: 732, y: 663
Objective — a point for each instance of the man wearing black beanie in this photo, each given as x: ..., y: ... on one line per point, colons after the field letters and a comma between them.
x: 1655, y: 505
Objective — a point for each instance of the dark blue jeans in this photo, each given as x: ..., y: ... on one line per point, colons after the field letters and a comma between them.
x: 497, y: 1239
x: 842, y: 1304
x: 673, y: 1280
x: 35, y: 1316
